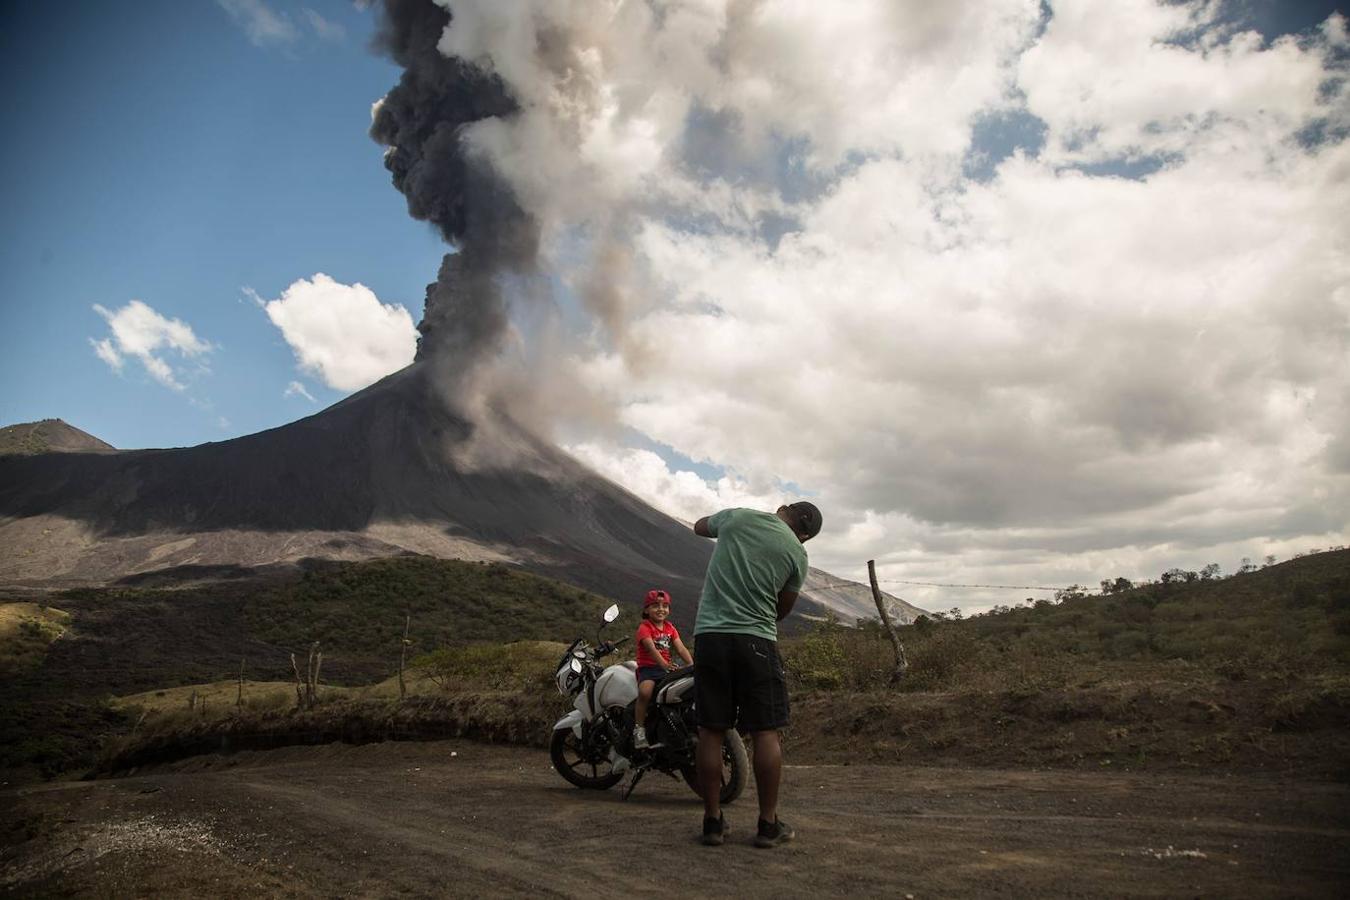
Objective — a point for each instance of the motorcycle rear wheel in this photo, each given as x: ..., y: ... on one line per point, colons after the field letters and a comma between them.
x: 571, y: 763
x: 735, y: 768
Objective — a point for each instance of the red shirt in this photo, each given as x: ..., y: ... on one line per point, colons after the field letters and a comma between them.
x: 663, y: 636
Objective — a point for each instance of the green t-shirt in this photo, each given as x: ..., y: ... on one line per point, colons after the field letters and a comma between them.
x: 757, y: 556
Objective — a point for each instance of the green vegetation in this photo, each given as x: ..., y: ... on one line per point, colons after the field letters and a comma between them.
x: 1250, y: 672
x: 525, y: 666
x: 26, y: 630
x: 1282, y: 622
x: 123, y: 640
x: 358, y: 609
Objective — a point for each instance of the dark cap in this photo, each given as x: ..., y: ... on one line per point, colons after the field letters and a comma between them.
x: 807, y: 516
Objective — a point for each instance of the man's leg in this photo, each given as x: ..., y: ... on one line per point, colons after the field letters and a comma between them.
x: 768, y: 757
x: 709, y: 763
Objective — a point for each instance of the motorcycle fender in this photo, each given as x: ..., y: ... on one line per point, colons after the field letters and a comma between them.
x: 572, y: 720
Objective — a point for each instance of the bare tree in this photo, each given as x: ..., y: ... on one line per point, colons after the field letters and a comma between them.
x: 403, y: 657
x: 299, y: 684
x: 901, y: 664
x: 312, y: 670
x: 307, y: 685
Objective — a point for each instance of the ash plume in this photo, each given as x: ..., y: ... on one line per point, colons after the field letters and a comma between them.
x: 423, y: 123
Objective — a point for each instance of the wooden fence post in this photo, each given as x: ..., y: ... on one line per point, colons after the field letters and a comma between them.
x: 901, y: 664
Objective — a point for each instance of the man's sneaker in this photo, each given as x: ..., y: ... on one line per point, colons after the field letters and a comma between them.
x: 715, y: 831
x: 771, y: 834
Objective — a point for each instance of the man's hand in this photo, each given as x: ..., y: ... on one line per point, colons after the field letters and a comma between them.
x: 701, y: 528
x: 786, y: 599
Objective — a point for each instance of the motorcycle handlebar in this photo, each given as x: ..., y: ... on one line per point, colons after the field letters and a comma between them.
x: 607, y: 648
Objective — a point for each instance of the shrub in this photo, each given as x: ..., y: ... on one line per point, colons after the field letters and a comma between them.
x: 275, y: 699
x: 937, y: 660
x: 1127, y: 645
x: 817, y: 660
x: 487, y: 666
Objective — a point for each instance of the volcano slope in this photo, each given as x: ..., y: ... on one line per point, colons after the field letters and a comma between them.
x: 387, y: 470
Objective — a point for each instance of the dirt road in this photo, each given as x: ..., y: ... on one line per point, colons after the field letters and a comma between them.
x: 456, y: 818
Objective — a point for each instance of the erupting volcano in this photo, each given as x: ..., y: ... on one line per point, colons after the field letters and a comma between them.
x: 431, y: 459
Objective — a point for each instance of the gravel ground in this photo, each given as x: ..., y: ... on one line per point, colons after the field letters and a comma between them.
x: 456, y: 818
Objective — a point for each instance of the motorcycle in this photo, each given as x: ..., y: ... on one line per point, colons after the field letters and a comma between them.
x: 592, y: 746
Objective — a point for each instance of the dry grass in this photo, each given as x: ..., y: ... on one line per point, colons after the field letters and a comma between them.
x: 26, y: 630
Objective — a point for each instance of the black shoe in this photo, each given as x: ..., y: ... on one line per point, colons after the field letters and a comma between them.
x: 771, y: 834
x: 715, y: 831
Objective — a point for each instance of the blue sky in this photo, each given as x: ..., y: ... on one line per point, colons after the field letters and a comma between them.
x: 156, y: 153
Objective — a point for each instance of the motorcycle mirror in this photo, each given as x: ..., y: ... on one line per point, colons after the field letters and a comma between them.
x: 575, y: 665
x: 612, y: 613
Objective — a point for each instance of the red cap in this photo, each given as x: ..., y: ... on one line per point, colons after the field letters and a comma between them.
x: 656, y: 597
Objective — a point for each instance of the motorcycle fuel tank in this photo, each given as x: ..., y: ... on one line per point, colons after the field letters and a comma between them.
x: 616, y: 686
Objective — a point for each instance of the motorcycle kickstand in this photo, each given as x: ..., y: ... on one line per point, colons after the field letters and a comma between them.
x: 627, y: 789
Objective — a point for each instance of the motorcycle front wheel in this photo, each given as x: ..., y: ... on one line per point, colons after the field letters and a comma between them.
x: 735, y: 768
x: 570, y: 759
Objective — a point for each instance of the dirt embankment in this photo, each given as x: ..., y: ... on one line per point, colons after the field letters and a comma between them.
x: 456, y: 818
x: 1299, y: 731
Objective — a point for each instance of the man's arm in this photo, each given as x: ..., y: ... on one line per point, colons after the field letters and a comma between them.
x: 786, y: 599
x: 701, y: 527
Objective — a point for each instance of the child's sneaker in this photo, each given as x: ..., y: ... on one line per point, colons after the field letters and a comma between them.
x: 715, y: 831
x: 771, y: 834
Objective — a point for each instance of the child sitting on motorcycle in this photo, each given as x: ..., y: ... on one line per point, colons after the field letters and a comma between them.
x: 656, y: 637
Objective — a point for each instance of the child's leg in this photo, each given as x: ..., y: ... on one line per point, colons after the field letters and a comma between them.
x: 644, y: 698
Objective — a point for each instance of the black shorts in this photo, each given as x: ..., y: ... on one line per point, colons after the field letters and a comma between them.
x: 739, y: 682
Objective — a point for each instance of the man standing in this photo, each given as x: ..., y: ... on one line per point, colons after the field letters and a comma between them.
x: 752, y: 582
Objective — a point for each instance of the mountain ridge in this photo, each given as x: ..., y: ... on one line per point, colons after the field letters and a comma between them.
x: 388, y: 470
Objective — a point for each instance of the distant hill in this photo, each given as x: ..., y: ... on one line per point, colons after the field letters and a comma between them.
x: 48, y: 436
x: 851, y: 601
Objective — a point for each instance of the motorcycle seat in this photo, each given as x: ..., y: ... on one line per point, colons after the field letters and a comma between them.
x: 681, y: 672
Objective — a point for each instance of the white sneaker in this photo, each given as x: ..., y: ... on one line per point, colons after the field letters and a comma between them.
x: 640, y: 739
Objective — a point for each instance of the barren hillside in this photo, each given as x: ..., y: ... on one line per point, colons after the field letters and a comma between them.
x: 386, y: 471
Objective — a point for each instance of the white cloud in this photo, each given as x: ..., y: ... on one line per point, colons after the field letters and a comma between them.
x: 108, y: 353
x: 138, y: 330
x: 1114, y: 81
x: 342, y: 334
x: 325, y: 29
x: 1055, y: 374
x: 296, y: 389
x: 680, y: 493
x: 260, y: 22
